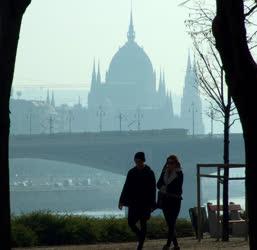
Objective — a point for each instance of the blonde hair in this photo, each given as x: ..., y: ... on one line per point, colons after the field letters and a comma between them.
x: 174, y: 158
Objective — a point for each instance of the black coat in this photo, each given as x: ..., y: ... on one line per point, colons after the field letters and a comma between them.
x: 175, y: 187
x: 139, y: 189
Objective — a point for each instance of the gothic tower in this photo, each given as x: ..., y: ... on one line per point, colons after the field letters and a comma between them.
x: 95, y: 86
x: 191, y: 105
x: 162, y: 87
x: 93, y: 79
x: 53, y: 100
x: 98, y: 77
x: 48, y: 97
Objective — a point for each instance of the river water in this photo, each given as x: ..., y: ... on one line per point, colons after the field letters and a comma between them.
x: 72, y: 189
x: 236, y: 188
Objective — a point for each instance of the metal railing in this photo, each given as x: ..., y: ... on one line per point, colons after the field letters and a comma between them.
x: 219, y: 178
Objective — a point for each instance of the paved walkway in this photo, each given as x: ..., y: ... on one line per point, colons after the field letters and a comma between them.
x: 185, y: 243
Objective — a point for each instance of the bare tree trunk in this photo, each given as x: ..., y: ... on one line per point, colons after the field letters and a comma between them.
x: 241, y: 77
x: 11, y: 12
x: 251, y: 179
x: 225, y: 224
x: 4, y: 177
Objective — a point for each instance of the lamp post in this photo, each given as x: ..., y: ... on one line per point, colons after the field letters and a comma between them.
x: 70, y: 118
x: 120, y: 117
x: 29, y: 117
x: 139, y: 117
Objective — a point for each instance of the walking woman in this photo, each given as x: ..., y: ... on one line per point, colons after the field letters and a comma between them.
x: 170, y: 196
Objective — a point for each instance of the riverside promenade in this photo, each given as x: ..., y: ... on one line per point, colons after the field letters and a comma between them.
x: 185, y: 243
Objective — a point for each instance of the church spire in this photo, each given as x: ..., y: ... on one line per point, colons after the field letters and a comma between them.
x: 98, y: 78
x: 131, y: 32
x: 53, y: 100
x: 191, y: 103
x: 188, y: 62
x: 48, y: 98
x: 194, y: 75
x: 162, y: 87
x: 163, y: 79
x: 171, y: 103
x: 160, y: 81
x: 93, y: 80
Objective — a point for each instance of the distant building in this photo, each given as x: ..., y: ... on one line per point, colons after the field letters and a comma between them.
x: 129, y: 98
x: 44, y: 117
x: 130, y: 93
x: 191, y: 105
x: 30, y: 117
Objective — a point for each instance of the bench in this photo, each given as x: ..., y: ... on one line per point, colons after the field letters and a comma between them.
x: 238, y: 226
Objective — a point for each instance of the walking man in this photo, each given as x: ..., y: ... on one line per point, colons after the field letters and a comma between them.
x: 139, y: 195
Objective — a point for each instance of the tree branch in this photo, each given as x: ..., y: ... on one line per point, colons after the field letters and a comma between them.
x: 251, y: 11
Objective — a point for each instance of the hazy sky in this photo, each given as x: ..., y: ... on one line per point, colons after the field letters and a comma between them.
x: 60, y: 39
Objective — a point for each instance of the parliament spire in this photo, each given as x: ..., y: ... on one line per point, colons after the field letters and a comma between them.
x: 131, y: 32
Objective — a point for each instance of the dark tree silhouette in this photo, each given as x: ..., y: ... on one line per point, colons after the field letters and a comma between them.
x: 213, y: 86
x: 200, y: 24
x: 11, y: 13
x: 211, y: 81
x: 241, y: 76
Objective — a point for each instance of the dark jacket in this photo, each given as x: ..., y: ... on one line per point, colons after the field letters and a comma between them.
x: 175, y: 187
x: 139, y: 189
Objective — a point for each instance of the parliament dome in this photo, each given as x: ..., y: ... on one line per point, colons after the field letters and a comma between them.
x: 130, y: 65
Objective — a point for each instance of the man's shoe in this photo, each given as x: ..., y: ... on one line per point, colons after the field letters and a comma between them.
x: 141, y: 241
x: 176, y: 248
x: 166, y: 247
x: 140, y: 245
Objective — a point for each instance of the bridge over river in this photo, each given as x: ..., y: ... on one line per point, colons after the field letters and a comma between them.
x: 114, y: 151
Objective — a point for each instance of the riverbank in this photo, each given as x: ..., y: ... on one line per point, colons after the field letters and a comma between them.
x: 47, y: 229
x: 187, y: 243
